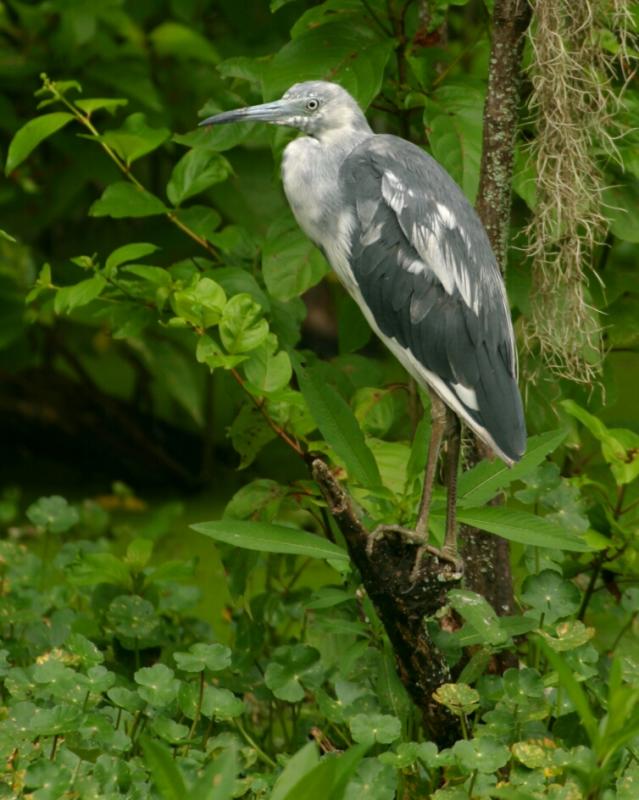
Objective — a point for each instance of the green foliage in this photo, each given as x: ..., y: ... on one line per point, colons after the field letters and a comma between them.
x: 157, y: 265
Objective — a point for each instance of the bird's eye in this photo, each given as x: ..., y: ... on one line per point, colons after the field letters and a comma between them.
x: 312, y: 104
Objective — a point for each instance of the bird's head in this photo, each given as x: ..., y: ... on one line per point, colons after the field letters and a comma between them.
x: 315, y: 107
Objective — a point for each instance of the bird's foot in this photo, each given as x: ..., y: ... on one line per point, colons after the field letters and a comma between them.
x: 445, y: 553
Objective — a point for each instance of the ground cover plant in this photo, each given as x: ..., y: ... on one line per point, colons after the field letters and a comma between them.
x: 198, y: 429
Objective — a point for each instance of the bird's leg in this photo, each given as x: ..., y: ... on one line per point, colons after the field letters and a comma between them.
x: 445, y: 423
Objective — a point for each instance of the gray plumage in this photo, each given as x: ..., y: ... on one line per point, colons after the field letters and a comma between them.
x: 410, y: 249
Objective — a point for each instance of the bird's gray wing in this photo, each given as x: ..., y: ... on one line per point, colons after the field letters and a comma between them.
x: 428, y: 278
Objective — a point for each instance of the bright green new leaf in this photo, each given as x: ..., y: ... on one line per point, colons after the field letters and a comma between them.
x: 80, y: 294
x: 520, y: 526
x: 242, y: 327
x: 337, y: 423
x: 128, y: 253
x: 210, y: 353
x: 202, y: 304
x: 195, y: 172
x: 31, y: 134
x: 268, y: 538
x: 123, y: 199
x: 268, y: 371
x: 135, y: 138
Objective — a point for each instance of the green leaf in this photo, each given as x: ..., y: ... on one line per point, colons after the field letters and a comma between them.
x: 201, y: 219
x: 249, y: 433
x: 195, y: 172
x: 221, y: 704
x: 94, y: 568
x: 158, y: 686
x: 338, y: 425
x: 202, y: 304
x: 80, y: 294
x: 123, y: 199
x: 296, y: 767
x: 483, y: 754
x: 454, y: 119
x: 551, y: 595
x: 204, y: 656
x: 218, y: 780
x: 620, y: 446
x: 519, y: 526
x: 132, y: 616
x: 267, y: 371
x: 352, y: 55
x: 480, y: 484
x: 457, y: 697
x: 210, y: 353
x: 183, y: 42
x: 91, y: 104
x: 371, y: 728
x: 135, y: 138
x: 164, y: 770
x: 328, y: 778
x: 291, y: 263
x: 480, y: 614
x: 128, y: 253
x: 53, y: 513
x: 267, y: 538
x: 242, y: 327
x: 574, y: 690
x: 285, y: 673
x: 29, y: 136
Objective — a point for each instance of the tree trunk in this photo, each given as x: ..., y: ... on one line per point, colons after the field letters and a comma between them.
x: 487, y: 557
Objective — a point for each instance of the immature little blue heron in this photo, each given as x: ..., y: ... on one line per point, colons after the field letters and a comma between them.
x: 414, y: 255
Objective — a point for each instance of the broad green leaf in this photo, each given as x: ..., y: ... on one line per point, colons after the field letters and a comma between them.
x: 285, y: 674
x: 268, y: 371
x: 80, y: 294
x: 336, y: 422
x: 203, y: 656
x: 352, y: 55
x: 483, y: 754
x: 291, y: 264
x: 210, y: 353
x: 132, y: 616
x: 374, y: 780
x: 158, y: 686
x: 221, y: 704
x: 268, y: 538
x: 249, y: 432
x: 374, y: 409
x: 31, y: 134
x: 128, y: 253
x: 201, y: 219
x: 480, y: 614
x: 242, y: 327
x: 568, y: 635
x: 183, y: 42
x: 551, y: 595
x: 123, y: 199
x: 296, y: 767
x: 53, y: 513
x: 372, y: 728
x: 202, y: 304
x: 457, y: 697
x: 164, y: 770
x: 453, y: 118
x: 520, y: 526
x: 135, y: 138
x: 195, y: 172
x: 94, y: 568
x: 480, y: 484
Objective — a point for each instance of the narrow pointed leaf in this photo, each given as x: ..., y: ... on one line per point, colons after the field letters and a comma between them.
x: 268, y: 538
x: 30, y: 135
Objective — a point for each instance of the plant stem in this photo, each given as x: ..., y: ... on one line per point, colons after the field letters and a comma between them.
x: 261, y: 754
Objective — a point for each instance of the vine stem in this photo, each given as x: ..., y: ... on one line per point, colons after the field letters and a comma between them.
x: 84, y: 119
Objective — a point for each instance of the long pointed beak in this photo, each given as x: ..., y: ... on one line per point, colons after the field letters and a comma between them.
x: 275, y: 112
